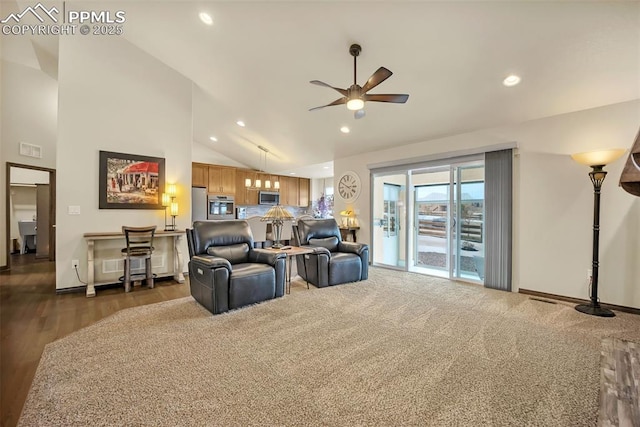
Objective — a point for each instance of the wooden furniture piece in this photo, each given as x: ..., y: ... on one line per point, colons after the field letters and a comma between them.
x: 104, y: 259
x: 199, y: 175
x: 228, y: 180
x: 222, y: 180
x: 345, y: 232
x: 139, y: 246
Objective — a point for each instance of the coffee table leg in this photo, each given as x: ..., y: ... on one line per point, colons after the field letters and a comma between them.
x: 289, y: 259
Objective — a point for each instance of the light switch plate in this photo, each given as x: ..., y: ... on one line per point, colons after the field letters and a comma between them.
x: 73, y: 210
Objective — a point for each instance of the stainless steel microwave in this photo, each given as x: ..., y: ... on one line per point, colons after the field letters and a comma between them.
x: 269, y: 198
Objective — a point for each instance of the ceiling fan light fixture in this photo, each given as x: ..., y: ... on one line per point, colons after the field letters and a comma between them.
x: 355, y: 104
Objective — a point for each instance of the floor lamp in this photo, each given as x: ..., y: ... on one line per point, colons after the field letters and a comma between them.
x: 597, y: 160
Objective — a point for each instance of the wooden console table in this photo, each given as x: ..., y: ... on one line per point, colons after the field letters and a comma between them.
x: 345, y: 232
x: 105, y: 247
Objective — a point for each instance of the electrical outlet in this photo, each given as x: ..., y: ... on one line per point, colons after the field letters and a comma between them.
x: 75, y: 263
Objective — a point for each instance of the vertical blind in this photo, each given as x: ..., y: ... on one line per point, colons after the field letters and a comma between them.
x: 498, y: 219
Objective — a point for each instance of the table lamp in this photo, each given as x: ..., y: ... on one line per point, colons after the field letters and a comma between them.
x: 277, y: 215
x: 348, y: 218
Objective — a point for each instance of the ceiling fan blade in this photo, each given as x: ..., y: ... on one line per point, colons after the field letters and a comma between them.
x: 319, y: 83
x: 376, y: 78
x: 397, y: 98
x: 338, y: 101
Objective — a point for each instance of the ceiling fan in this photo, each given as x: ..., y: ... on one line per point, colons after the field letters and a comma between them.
x: 357, y: 95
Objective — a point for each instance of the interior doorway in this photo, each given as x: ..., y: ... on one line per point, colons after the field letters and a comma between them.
x: 389, y: 219
x: 30, y: 214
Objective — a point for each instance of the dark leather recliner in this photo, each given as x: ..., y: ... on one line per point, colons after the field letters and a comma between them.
x: 226, y: 271
x: 333, y: 261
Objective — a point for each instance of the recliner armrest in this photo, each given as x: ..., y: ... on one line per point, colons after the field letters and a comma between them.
x: 210, y: 261
x: 318, y: 250
x: 352, y: 247
x: 265, y: 256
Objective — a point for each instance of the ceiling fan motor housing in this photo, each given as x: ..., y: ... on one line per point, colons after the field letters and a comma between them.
x: 355, y: 49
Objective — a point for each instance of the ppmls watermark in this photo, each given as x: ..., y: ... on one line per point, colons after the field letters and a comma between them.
x: 40, y: 20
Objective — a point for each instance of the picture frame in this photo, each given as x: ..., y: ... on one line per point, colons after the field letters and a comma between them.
x: 130, y: 181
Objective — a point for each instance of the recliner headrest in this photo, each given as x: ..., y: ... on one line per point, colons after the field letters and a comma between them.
x: 220, y: 233
x: 317, y: 229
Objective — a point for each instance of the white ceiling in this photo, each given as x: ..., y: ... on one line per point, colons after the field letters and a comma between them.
x: 256, y: 61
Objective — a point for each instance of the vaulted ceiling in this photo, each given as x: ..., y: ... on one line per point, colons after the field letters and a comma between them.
x: 256, y: 60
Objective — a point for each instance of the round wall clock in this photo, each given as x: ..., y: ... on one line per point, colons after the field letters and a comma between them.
x: 349, y: 186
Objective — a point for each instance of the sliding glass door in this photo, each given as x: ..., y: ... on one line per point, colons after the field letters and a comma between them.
x: 448, y: 210
x: 468, y: 240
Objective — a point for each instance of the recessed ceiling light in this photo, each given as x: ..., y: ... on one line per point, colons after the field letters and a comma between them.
x: 206, y: 18
x: 345, y: 129
x: 511, y: 80
x: 325, y: 167
x: 240, y: 123
x: 292, y: 173
x: 213, y: 138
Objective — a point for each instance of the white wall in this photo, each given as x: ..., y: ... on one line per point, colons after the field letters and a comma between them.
x: 553, y: 203
x: 28, y: 114
x: 114, y: 97
x: 203, y: 154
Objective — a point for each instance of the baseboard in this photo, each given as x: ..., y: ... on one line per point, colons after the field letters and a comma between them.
x: 83, y: 289
x: 622, y: 308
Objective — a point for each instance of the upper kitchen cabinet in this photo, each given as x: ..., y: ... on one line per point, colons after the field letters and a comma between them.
x: 222, y: 180
x: 199, y: 175
x: 304, y: 191
x: 245, y: 195
x: 288, y: 191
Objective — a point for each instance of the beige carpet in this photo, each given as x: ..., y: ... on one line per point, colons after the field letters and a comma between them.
x: 398, y: 349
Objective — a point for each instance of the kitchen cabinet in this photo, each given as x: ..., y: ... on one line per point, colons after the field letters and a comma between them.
x: 222, y: 180
x: 264, y: 177
x: 228, y: 180
x: 245, y: 196
x: 199, y: 175
x: 304, y: 190
x: 288, y: 191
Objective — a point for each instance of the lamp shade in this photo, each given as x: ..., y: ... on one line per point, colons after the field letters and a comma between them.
x: 171, y: 189
x: 598, y: 158
x: 166, y: 199
x: 174, y: 208
x: 277, y: 212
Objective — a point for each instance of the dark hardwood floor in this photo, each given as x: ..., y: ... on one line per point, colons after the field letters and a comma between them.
x: 33, y: 315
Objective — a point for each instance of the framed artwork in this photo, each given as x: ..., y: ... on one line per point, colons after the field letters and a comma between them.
x: 130, y: 181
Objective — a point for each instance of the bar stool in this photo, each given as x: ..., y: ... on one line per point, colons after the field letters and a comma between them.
x: 139, y: 246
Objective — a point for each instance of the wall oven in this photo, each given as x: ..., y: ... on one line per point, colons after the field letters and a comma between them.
x: 220, y: 207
